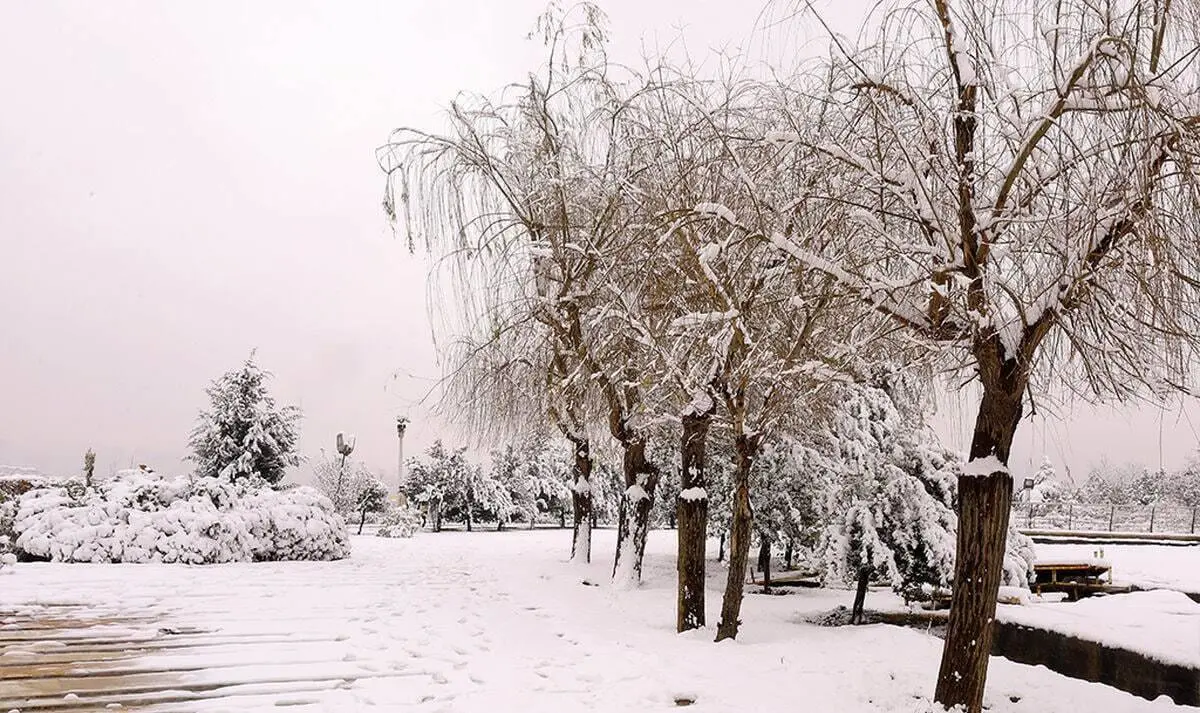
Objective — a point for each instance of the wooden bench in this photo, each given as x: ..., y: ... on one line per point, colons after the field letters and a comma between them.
x: 1077, y: 579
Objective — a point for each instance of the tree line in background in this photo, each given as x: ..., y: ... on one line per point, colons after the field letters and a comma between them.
x: 1110, y: 484
x: 1001, y: 192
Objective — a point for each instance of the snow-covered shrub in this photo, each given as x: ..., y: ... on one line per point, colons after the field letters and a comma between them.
x: 145, y: 518
x: 399, y: 522
x: 1018, y: 560
x: 371, y: 496
x: 7, y: 515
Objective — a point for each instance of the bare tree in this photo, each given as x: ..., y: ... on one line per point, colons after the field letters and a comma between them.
x: 530, y: 196
x: 1020, y: 176
x: 737, y: 335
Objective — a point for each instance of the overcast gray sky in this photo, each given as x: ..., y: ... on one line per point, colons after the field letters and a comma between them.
x: 181, y: 183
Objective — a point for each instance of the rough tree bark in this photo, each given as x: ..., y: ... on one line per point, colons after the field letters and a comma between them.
x: 746, y: 448
x: 764, y: 559
x: 692, y: 518
x: 984, y: 502
x: 641, y: 480
x: 581, y: 502
x: 860, y: 595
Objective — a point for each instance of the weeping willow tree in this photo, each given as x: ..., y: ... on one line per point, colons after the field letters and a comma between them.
x: 529, y: 200
x: 1021, y: 177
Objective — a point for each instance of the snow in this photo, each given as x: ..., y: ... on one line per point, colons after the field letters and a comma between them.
x: 984, y: 466
x: 636, y: 493
x: 1162, y: 624
x: 473, y: 622
x: 701, y: 403
x: 718, y: 210
x: 1014, y: 595
x: 1146, y: 566
x: 693, y: 494
x: 143, y: 517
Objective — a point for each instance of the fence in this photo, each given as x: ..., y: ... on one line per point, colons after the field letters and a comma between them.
x: 1105, y: 518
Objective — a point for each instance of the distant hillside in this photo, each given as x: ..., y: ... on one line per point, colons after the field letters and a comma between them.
x: 17, y: 471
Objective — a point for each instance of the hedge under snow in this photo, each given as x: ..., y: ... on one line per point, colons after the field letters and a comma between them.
x: 140, y: 517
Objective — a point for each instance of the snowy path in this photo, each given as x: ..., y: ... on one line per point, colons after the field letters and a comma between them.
x: 455, y: 622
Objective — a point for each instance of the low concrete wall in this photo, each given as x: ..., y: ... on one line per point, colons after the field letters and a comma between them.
x: 1123, y: 669
x: 1092, y: 661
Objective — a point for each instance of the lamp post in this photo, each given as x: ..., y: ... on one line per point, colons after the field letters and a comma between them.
x: 401, y: 425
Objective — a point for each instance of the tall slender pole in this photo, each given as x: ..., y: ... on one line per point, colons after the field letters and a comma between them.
x: 401, y: 497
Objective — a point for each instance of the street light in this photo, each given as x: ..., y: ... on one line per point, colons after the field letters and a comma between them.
x: 401, y: 427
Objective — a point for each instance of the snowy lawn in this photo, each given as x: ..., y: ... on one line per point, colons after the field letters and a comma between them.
x: 482, y: 622
x: 1147, y: 566
x: 1163, y: 624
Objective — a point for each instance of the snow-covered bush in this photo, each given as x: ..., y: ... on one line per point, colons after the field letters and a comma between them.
x: 1018, y: 560
x: 1047, y: 488
x: 145, y: 518
x: 8, y: 513
x: 370, y: 496
x: 399, y: 522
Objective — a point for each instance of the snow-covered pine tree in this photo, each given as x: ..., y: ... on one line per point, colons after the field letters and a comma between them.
x: 896, y: 492
x: 243, y: 434
x: 1047, y: 488
x: 791, y: 483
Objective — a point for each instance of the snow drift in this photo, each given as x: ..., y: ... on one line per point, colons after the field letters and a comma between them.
x: 140, y: 517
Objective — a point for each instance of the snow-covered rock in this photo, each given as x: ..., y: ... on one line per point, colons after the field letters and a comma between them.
x: 143, y: 517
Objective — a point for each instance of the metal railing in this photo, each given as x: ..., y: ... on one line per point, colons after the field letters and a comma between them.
x: 1173, y: 519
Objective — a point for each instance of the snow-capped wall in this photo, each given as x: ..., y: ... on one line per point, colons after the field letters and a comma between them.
x: 141, y: 517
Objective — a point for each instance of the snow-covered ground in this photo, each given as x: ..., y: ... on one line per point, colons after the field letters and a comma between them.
x: 1148, y: 566
x: 1163, y: 624
x: 478, y: 622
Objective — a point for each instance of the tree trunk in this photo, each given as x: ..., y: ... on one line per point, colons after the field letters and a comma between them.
x: 581, y: 503
x: 633, y: 525
x: 362, y: 521
x: 788, y: 555
x: 860, y: 595
x: 692, y: 518
x: 764, y: 559
x: 739, y: 540
x: 470, y: 506
x: 721, y: 547
x: 984, y: 502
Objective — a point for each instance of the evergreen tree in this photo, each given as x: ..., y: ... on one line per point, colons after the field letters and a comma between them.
x: 243, y: 434
x: 1047, y: 488
x: 1185, y: 485
x: 895, y: 493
